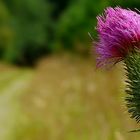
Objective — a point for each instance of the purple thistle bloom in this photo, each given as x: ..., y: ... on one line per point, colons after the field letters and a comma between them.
x: 119, y: 33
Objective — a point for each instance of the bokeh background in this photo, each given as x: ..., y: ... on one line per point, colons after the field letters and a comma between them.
x: 50, y: 88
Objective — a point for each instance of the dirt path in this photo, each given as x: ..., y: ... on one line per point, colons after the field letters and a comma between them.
x: 11, y: 87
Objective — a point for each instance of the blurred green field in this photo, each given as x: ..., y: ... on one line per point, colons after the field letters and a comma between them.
x: 64, y: 98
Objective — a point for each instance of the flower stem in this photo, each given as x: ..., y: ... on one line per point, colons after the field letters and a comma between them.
x: 132, y: 67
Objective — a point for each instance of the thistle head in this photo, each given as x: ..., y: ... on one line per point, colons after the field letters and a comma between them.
x: 118, y: 35
x: 119, y: 39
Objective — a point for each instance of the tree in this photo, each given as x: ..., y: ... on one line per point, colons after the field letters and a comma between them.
x: 30, y: 22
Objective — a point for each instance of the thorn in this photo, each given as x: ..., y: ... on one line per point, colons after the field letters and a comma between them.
x: 137, y: 10
x: 136, y: 130
x: 90, y: 36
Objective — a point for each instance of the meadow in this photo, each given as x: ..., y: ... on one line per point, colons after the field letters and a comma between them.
x: 64, y: 98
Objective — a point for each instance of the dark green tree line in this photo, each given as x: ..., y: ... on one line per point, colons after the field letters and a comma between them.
x: 32, y: 28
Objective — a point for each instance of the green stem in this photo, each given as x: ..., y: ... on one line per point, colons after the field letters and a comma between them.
x: 132, y: 67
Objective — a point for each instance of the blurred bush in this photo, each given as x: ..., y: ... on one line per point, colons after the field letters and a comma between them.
x: 28, y: 22
x: 31, y: 28
x: 75, y: 23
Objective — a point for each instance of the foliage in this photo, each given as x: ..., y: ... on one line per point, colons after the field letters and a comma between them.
x: 32, y: 28
x: 77, y: 21
x: 28, y: 22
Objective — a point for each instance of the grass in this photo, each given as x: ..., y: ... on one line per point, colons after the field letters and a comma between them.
x: 13, y: 83
x: 74, y: 101
x: 64, y: 98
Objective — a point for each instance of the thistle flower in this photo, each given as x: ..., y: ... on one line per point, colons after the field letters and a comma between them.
x: 119, y: 39
x: 119, y: 34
